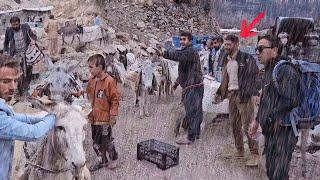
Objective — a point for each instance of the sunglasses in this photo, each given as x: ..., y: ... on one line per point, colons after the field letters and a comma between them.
x: 183, y: 39
x: 261, y: 48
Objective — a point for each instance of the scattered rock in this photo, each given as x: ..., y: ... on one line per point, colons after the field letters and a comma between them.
x: 67, y: 50
x: 141, y: 25
x: 121, y: 48
x: 111, y: 33
x: 150, y: 50
x: 143, y: 46
x: 123, y: 36
x: 110, y: 49
x: 135, y: 37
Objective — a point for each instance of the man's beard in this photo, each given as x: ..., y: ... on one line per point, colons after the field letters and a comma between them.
x: 6, y: 97
x: 228, y: 51
x: 16, y: 28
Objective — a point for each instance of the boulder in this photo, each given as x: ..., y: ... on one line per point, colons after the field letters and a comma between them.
x: 111, y: 33
x: 150, y: 2
x: 141, y: 25
x: 143, y: 45
x: 125, y: 37
x: 153, y: 41
x: 110, y: 49
x: 121, y: 48
x: 150, y: 50
x: 67, y: 50
x: 135, y: 37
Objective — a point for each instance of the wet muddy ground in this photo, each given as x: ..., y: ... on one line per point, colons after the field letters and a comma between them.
x: 206, y: 159
x: 202, y: 160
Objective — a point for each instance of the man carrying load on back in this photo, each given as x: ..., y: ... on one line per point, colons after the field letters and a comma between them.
x: 290, y: 99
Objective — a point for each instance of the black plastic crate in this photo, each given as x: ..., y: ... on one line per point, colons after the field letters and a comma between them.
x: 162, y: 154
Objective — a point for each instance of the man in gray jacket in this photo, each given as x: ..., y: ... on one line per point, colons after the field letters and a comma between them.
x: 16, y: 42
x: 15, y: 126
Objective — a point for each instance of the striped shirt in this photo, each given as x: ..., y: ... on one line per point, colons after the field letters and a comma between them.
x: 19, y: 42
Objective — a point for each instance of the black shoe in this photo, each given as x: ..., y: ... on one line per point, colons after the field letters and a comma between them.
x: 98, y: 166
x: 217, y: 120
x: 197, y: 136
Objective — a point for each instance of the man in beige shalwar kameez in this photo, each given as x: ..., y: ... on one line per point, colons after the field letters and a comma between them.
x: 52, y: 28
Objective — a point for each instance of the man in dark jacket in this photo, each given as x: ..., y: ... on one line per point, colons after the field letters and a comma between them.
x: 280, y: 140
x: 191, y: 80
x: 239, y: 85
x: 216, y: 52
x: 17, y: 40
x: 220, y: 55
x: 218, y: 60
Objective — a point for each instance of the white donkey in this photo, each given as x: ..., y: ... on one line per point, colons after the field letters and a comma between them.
x: 61, y: 154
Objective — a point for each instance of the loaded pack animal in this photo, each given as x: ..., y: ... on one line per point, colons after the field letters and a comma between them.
x: 145, y: 77
x: 123, y: 57
x: 60, y: 155
x: 143, y: 84
x: 140, y: 78
x: 60, y: 84
x: 166, y: 75
x: 70, y: 28
x: 115, y: 68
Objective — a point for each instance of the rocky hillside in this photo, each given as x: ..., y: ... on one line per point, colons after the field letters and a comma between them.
x: 6, y: 5
x: 162, y: 18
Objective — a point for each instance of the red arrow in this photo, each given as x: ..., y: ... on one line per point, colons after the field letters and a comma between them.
x: 245, y: 29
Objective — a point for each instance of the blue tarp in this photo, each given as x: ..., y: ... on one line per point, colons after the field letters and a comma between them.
x: 176, y: 41
x: 195, y: 42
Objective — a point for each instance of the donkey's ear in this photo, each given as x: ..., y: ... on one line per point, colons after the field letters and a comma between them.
x: 72, y: 68
x: 37, y: 103
x: 48, y: 62
x: 52, y: 104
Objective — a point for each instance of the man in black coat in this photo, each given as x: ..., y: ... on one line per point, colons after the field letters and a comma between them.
x: 17, y: 40
x: 280, y: 141
x: 240, y: 85
x: 191, y: 80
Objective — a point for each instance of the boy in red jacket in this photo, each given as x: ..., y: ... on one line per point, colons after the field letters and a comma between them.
x: 104, y: 97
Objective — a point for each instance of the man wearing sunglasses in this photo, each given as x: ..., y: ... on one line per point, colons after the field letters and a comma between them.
x: 240, y: 84
x: 191, y: 80
x: 280, y: 140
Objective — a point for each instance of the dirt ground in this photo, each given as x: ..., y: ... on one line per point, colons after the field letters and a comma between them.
x: 201, y: 161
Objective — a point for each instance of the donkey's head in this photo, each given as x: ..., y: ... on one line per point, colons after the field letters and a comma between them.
x: 61, y: 83
x: 146, y: 74
x: 68, y: 138
x: 64, y: 145
x: 123, y: 58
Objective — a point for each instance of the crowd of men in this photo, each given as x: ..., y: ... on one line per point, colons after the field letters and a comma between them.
x: 241, y: 83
